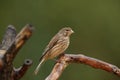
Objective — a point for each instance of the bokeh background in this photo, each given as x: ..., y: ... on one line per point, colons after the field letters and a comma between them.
x: 97, y: 33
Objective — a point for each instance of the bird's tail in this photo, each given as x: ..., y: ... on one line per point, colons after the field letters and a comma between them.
x: 38, y: 67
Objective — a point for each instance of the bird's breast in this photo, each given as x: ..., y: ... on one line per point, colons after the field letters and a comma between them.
x: 59, y: 48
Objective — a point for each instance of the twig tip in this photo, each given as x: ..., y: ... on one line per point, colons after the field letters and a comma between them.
x: 28, y: 62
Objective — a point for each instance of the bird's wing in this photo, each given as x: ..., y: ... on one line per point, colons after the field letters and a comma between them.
x: 51, y: 44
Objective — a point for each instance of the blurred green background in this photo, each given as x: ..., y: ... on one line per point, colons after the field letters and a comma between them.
x: 97, y: 33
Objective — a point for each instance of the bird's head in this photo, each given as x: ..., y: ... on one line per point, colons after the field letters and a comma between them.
x: 67, y: 31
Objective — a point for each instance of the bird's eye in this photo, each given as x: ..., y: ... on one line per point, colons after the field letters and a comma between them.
x: 67, y: 30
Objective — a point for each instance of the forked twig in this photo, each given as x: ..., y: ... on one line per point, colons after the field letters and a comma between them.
x: 9, y: 48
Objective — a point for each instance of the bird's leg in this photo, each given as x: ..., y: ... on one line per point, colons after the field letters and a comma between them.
x: 62, y: 54
x: 57, y: 60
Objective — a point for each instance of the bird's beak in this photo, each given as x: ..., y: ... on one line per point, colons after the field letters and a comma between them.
x: 72, y: 31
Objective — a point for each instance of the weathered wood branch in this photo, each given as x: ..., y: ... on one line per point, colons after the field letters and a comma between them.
x: 67, y: 59
x: 11, y: 44
x: 8, y: 39
x: 19, y: 73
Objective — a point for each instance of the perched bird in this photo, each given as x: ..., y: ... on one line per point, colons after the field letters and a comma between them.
x: 58, y: 44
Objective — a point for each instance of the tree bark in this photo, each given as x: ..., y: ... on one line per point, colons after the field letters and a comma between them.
x: 67, y: 59
x: 9, y: 48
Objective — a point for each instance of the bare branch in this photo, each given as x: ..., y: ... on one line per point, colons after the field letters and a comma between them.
x: 19, y: 41
x: 66, y: 59
x: 9, y: 48
x: 18, y: 73
x: 8, y: 39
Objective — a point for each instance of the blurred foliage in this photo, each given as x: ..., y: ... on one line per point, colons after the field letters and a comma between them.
x: 97, y: 33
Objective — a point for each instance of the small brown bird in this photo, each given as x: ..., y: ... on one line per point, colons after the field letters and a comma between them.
x: 58, y: 44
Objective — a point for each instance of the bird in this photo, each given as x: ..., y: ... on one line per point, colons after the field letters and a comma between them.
x: 57, y: 45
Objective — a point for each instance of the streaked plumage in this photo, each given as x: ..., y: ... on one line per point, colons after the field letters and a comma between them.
x: 58, y: 44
